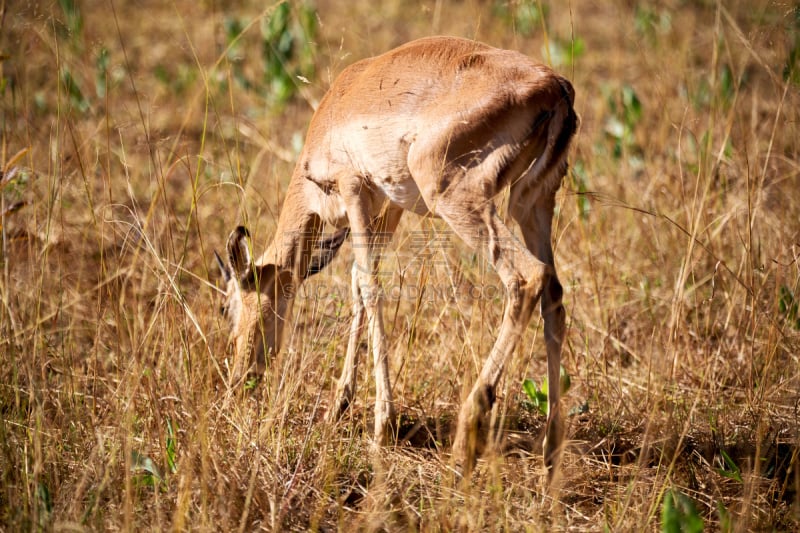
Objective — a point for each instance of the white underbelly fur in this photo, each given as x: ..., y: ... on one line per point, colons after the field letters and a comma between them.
x: 405, y: 194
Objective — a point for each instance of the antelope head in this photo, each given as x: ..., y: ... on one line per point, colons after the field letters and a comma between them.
x: 258, y: 298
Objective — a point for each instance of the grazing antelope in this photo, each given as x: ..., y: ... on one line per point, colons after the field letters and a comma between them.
x: 439, y: 126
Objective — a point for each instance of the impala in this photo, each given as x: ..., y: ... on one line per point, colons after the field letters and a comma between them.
x: 439, y: 127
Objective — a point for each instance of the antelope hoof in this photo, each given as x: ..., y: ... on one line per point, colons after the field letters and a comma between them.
x: 470, y: 434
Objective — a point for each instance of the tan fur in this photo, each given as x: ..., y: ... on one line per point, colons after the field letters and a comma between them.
x: 438, y: 126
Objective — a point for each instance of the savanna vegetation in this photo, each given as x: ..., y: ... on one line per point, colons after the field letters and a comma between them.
x: 134, y: 135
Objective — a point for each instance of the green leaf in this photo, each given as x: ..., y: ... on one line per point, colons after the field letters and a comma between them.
x: 566, y: 381
x: 76, y: 98
x: 102, y: 72
x: 578, y: 48
x: 287, y: 51
x: 141, y: 463
x: 581, y: 183
x: 45, y: 505
x: 726, y: 85
x: 72, y: 13
x: 725, y: 523
x: 537, y: 396
x: 233, y: 28
x: 530, y: 389
x: 528, y: 17
x: 308, y: 20
x: 273, y: 28
x: 45, y: 500
x: 172, y: 454
x: 679, y: 514
x: 732, y: 471
x: 791, y: 69
x: 788, y: 305
x: 632, y: 106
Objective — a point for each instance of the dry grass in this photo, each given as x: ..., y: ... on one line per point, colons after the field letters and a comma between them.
x: 677, y: 243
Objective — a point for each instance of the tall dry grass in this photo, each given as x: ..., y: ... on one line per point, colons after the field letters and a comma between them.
x: 132, y: 144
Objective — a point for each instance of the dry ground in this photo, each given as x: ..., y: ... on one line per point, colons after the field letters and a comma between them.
x: 147, y: 130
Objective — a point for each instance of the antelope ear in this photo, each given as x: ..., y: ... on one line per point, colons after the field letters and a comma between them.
x: 223, y: 268
x: 241, y: 264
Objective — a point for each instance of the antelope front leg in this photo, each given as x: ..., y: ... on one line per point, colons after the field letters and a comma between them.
x: 380, y: 232
x: 346, y: 388
x: 365, y: 274
x: 384, y: 408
